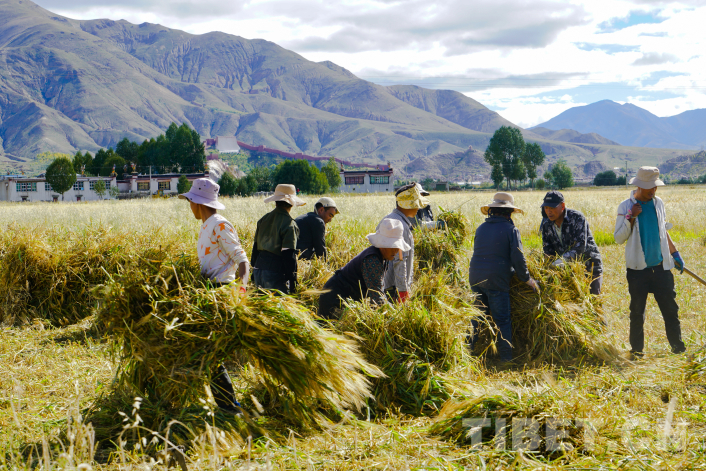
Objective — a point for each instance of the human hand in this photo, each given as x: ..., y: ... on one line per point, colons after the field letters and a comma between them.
x: 532, y: 283
x: 558, y: 263
x: 678, y: 261
x: 636, y: 210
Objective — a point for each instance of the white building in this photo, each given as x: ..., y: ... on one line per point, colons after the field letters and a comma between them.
x: 158, y: 184
x: 21, y: 188
x: 227, y: 144
x: 368, y: 181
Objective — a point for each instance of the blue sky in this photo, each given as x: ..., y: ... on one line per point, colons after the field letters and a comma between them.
x: 527, y: 60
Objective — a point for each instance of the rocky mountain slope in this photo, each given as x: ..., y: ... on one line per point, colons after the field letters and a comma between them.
x: 569, y: 135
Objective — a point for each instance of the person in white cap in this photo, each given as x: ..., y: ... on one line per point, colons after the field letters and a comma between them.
x: 650, y: 255
x: 274, y: 253
x: 222, y: 260
x: 312, y: 229
x: 400, y: 272
x: 497, y: 255
x: 362, y: 277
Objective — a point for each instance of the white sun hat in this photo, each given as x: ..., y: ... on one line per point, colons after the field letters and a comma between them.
x: 647, y: 178
x: 286, y: 193
x: 204, y: 191
x: 501, y: 200
x: 389, y: 235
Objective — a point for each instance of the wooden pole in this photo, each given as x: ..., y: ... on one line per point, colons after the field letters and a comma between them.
x: 695, y: 276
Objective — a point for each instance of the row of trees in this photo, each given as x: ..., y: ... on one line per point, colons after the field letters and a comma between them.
x: 511, y: 159
x: 608, y: 178
x: 178, y: 150
x: 305, y: 177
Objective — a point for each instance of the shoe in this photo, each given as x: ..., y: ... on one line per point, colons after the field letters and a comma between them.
x: 678, y: 350
x: 634, y: 355
x: 235, y: 409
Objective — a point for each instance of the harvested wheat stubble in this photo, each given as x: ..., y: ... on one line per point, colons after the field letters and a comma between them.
x: 416, y: 344
x: 171, y: 330
x: 564, y: 322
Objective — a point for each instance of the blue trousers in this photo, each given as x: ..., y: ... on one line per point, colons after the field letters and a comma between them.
x: 268, y: 279
x: 497, y: 305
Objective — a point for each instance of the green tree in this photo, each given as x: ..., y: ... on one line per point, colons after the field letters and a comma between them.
x: 186, y: 152
x: 183, y: 185
x: 561, y: 175
x: 263, y: 177
x: 128, y: 150
x: 506, y: 149
x: 246, y: 186
x: 228, y: 184
x: 114, y: 191
x: 607, y: 178
x: 497, y: 175
x: 113, y: 160
x: 533, y: 158
x: 333, y: 173
x: 61, y: 175
x: 78, y: 161
x: 540, y: 184
x: 304, y: 177
x: 99, y: 188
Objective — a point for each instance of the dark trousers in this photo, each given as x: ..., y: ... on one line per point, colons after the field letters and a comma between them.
x: 269, y: 279
x: 660, y: 283
x: 222, y: 388
x: 497, y: 305
x: 596, y: 284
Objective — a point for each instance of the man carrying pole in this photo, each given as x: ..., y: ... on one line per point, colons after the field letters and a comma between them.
x: 650, y: 255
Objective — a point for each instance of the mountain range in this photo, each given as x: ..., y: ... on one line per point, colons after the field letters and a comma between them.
x: 631, y: 125
x: 68, y: 85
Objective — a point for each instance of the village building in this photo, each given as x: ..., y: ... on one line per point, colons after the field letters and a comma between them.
x: 157, y: 184
x: 21, y: 188
x: 379, y: 180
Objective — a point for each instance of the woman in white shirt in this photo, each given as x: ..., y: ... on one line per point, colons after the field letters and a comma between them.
x: 222, y: 261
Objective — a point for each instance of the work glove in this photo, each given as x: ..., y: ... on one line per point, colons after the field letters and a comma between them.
x: 678, y: 261
x: 404, y: 296
x: 533, y: 284
x: 558, y: 263
x: 441, y: 224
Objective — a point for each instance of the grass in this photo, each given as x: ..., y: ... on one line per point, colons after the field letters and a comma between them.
x: 50, y: 373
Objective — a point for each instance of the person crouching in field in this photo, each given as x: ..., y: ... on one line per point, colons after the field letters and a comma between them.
x: 649, y: 256
x: 363, y: 276
x: 565, y: 234
x: 497, y: 254
x: 399, y: 273
x: 222, y: 261
x: 274, y: 253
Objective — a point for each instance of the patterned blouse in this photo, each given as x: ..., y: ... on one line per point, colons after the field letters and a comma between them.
x: 219, y: 250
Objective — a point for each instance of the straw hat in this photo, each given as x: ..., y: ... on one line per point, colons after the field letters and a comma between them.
x: 647, y: 178
x: 389, y: 235
x: 286, y: 193
x: 410, y: 197
x: 204, y: 191
x: 502, y: 200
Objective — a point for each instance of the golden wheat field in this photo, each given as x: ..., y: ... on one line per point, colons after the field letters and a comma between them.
x: 57, y: 362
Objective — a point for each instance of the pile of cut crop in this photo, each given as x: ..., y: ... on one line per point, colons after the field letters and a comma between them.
x: 440, y: 249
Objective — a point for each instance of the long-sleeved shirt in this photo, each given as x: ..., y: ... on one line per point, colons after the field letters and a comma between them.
x: 275, y: 244
x: 576, y: 241
x: 634, y: 255
x: 497, y: 254
x: 399, y: 272
x: 312, y: 236
x: 219, y: 250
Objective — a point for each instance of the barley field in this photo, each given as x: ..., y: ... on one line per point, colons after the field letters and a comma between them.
x: 55, y: 363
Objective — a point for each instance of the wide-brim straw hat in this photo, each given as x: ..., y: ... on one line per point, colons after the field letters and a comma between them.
x: 647, y: 178
x: 286, y: 193
x: 204, y: 191
x: 410, y: 197
x: 502, y: 200
x: 389, y: 235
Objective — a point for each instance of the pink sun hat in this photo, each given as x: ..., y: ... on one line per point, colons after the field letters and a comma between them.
x: 204, y: 191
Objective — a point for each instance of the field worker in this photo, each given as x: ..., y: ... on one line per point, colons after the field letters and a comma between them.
x: 649, y: 256
x: 497, y: 255
x: 274, y: 254
x: 565, y: 234
x: 398, y: 274
x: 222, y: 260
x: 363, y: 276
x: 425, y: 216
x: 312, y: 229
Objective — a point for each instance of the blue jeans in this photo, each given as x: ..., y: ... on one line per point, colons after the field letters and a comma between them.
x: 497, y: 305
x: 268, y: 279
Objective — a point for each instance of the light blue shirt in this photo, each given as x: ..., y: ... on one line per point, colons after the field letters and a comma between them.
x: 649, y: 233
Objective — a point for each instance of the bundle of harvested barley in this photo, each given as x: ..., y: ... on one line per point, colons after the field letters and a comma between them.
x: 560, y: 323
x: 414, y: 343
x: 173, y: 331
x: 437, y: 250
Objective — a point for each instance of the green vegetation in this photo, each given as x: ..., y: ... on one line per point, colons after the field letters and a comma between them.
x: 510, y: 158
x: 560, y: 175
x: 304, y: 176
x: 183, y: 184
x: 60, y: 175
x: 99, y: 188
x: 333, y: 174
